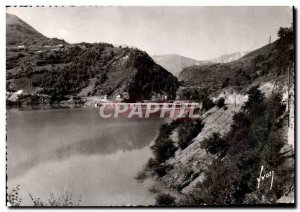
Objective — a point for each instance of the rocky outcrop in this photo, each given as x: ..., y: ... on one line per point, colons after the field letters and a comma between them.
x: 190, y: 163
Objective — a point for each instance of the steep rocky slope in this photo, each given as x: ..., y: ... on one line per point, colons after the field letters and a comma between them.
x: 253, y: 127
x: 186, y: 172
x: 189, y: 164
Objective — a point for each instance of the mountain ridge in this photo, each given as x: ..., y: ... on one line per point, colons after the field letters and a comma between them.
x: 175, y: 63
x: 227, y: 58
x: 18, y: 32
x: 54, y: 70
x: 265, y: 63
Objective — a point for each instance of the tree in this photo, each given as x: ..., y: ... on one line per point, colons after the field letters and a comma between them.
x: 207, y: 103
x: 188, y: 130
x: 165, y: 200
x: 215, y: 145
x: 283, y: 31
x: 255, y: 99
x: 221, y: 102
x: 225, y: 82
x: 163, y: 149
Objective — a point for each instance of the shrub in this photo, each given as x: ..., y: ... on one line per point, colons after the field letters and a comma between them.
x: 207, y: 103
x: 219, y: 185
x: 189, y: 130
x: 102, y: 78
x: 166, y: 129
x: 158, y: 168
x: 274, y: 105
x: 283, y: 31
x: 255, y: 101
x: 161, y: 170
x: 220, y: 102
x: 13, y: 197
x: 215, y: 145
x: 225, y: 82
x: 141, y: 176
x: 64, y: 200
x: 165, y: 200
x: 153, y: 189
x: 152, y: 163
x: 237, y: 82
x: 163, y: 149
x: 258, y: 58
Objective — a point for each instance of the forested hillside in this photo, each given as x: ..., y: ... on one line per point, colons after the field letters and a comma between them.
x: 266, y: 63
x: 58, y: 72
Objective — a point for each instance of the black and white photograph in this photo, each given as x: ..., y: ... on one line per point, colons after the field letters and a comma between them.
x: 150, y: 106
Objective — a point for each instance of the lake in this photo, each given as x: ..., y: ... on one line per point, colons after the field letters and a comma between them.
x: 74, y: 150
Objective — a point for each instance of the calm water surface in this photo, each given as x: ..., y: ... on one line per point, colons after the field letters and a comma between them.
x: 74, y: 150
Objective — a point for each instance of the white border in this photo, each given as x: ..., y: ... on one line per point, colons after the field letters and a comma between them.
x: 154, y: 2
x: 3, y: 3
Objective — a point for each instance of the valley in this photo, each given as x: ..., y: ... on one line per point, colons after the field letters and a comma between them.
x: 247, y: 121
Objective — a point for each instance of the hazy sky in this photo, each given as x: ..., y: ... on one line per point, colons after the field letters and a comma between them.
x: 195, y: 32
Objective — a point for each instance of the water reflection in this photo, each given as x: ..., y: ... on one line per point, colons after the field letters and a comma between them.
x: 43, y: 143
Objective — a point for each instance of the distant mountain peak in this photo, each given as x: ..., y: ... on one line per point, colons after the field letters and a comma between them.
x: 175, y: 63
x: 227, y: 58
